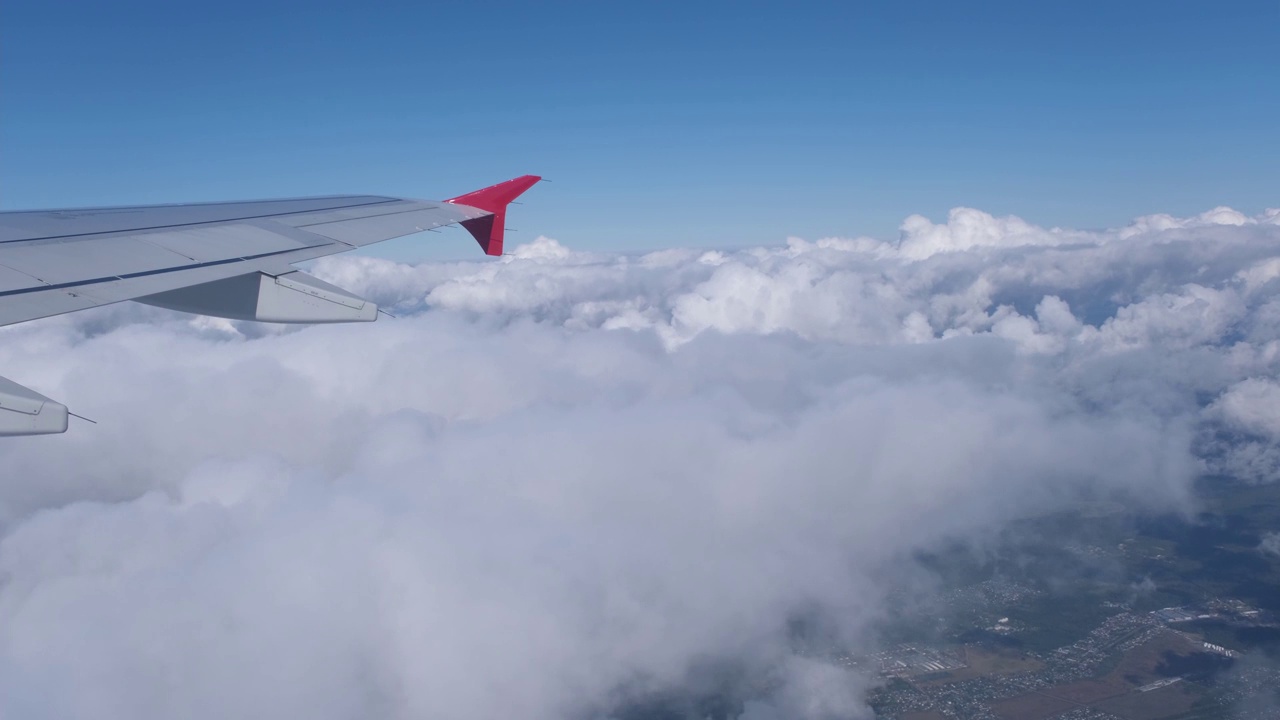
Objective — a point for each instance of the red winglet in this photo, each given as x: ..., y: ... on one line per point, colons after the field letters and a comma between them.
x: 494, y: 199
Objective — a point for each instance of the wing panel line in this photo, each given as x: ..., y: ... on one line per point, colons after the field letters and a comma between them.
x: 390, y: 214
x: 205, y: 222
x: 144, y: 273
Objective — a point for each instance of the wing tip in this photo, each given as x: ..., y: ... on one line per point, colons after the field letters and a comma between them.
x: 489, y: 229
x: 497, y: 197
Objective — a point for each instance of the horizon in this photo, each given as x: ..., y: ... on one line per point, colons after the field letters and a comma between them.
x: 661, y: 125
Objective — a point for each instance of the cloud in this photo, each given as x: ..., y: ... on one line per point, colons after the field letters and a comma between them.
x: 1270, y: 544
x: 567, y: 481
x: 967, y: 229
x: 1251, y: 406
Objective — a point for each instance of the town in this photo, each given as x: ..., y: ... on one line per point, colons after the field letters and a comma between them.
x: 1134, y: 665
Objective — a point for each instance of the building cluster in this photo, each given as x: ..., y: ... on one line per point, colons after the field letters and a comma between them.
x: 1086, y: 713
x: 911, y: 660
x: 973, y: 698
x: 1081, y: 659
x: 1226, y: 609
x: 916, y: 675
x: 995, y: 593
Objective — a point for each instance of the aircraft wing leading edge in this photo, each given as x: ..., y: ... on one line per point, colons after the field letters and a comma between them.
x: 229, y: 260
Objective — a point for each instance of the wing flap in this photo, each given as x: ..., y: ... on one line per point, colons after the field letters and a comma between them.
x: 16, y: 308
x: 11, y: 279
x: 72, y: 260
x: 129, y: 288
x: 32, y: 304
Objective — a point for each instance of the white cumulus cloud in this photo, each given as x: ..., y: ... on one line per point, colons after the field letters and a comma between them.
x: 562, y: 482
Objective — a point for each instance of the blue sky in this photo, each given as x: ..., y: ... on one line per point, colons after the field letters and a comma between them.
x: 661, y: 124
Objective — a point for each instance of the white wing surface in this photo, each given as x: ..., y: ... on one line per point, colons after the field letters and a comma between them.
x: 224, y: 259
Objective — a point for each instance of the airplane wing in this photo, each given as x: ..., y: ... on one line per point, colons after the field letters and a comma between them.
x: 224, y: 259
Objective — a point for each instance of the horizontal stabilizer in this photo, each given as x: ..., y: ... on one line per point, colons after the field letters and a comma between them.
x: 489, y: 229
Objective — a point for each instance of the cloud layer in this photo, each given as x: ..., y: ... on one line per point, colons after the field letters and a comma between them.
x: 563, y: 482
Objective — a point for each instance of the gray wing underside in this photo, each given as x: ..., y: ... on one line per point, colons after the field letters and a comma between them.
x: 53, y: 262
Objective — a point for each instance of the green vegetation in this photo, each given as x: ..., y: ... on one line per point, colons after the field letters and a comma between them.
x: 1059, y: 619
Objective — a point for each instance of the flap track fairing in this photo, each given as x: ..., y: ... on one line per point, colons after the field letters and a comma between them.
x: 293, y: 297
